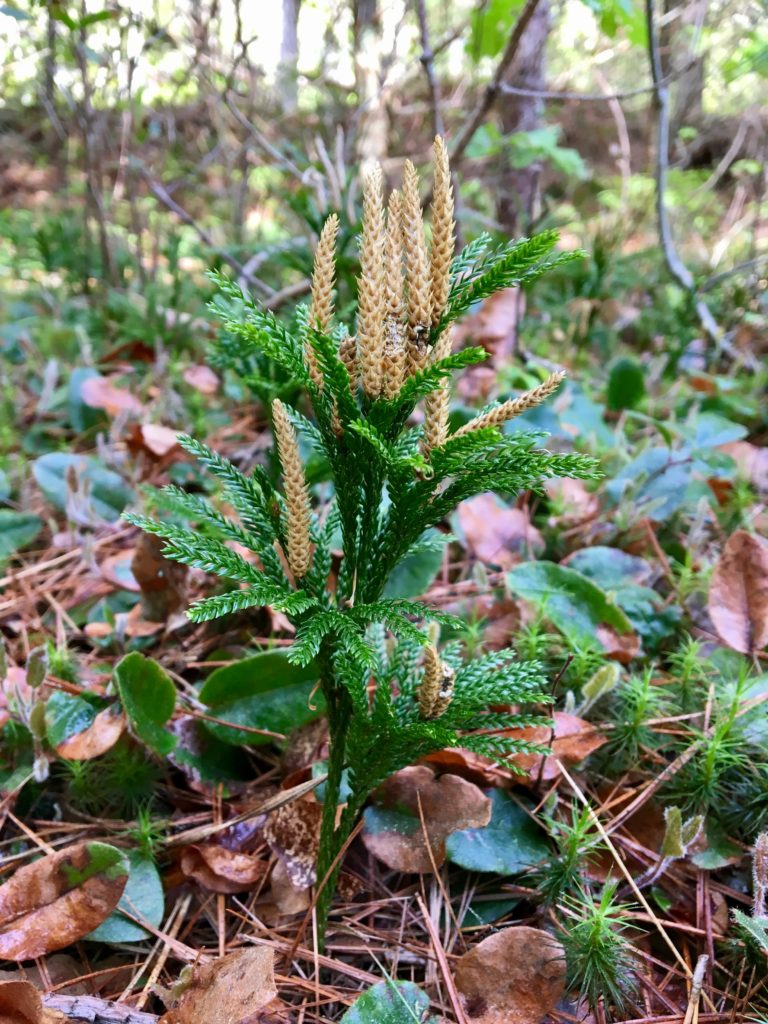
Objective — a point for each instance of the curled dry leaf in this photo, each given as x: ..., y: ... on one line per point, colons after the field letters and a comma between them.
x: 621, y: 647
x: 100, y: 736
x: 100, y: 393
x: 153, y: 439
x: 21, y: 1003
x: 222, y: 870
x: 162, y: 582
x: 738, y: 593
x: 497, y: 534
x: 293, y: 833
x: 58, y: 899
x: 574, y: 739
x: 394, y: 831
x: 751, y: 460
x: 116, y: 569
x: 232, y: 990
x: 202, y: 379
x: 286, y: 896
x: 516, y: 976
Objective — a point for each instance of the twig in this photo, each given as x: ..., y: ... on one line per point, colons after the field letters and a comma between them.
x: 692, y: 1012
x: 675, y: 265
x: 491, y: 91
x: 96, y: 1011
x: 428, y: 63
x: 203, y: 832
x: 161, y: 193
x: 591, y: 97
x: 442, y: 960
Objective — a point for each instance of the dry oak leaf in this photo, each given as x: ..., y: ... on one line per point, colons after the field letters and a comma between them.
x: 414, y: 802
x: 58, y: 899
x: 100, y: 736
x: 202, y: 379
x: 222, y: 870
x: 293, y: 833
x: 574, y: 739
x: 738, y: 593
x: 497, y: 534
x: 232, y: 990
x: 21, y: 1003
x: 516, y: 976
x: 100, y: 393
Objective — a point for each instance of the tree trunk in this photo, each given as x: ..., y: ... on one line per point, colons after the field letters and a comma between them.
x: 373, y: 126
x: 519, y: 187
x: 289, y: 55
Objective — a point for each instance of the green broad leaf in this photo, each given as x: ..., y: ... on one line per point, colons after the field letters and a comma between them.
x: 142, y: 897
x: 482, y: 912
x: 657, y: 483
x: 108, y: 495
x: 390, y: 1002
x: 262, y: 692
x: 719, y: 851
x: 571, y: 601
x: 414, y: 574
x: 623, y: 577
x: 204, y: 757
x: 17, y: 529
x: 710, y: 430
x: 148, y: 697
x: 510, y: 843
x: 65, y: 716
x: 626, y: 385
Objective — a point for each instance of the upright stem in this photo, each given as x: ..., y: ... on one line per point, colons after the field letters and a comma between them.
x: 332, y: 838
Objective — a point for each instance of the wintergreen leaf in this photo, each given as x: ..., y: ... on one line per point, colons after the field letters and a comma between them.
x: 148, y: 697
x: 576, y: 605
x: 66, y: 715
x: 509, y: 844
x: 265, y: 691
x: 108, y: 493
x: 390, y: 1002
x: 17, y: 529
x: 142, y: 897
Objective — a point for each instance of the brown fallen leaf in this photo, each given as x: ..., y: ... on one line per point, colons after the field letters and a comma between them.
x: 116, y: 569
x: 574, y: 739
x: 751, y: 460
x: 483, y: 771
x: 100, y: 393
x: 232, y: 990
x: 288, y: 899
x: 58, y: 899
x: 222, y: 870
x: 21, y: 1003
x: 516, y: 976
x: 738, y: 593
x: 202, y: 379
x: 497, y: 534
x: 575, y: 504
x: 162, y: 582
x: 293, y: 834
x: 446, y: 804
x: 153, y: 439
x: 622, y: 647
x: 100, y: 736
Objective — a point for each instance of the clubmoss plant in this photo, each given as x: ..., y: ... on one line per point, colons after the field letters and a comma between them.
x: 393, y: 482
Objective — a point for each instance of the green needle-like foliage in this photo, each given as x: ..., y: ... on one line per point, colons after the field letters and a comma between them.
x: 391, y: 696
